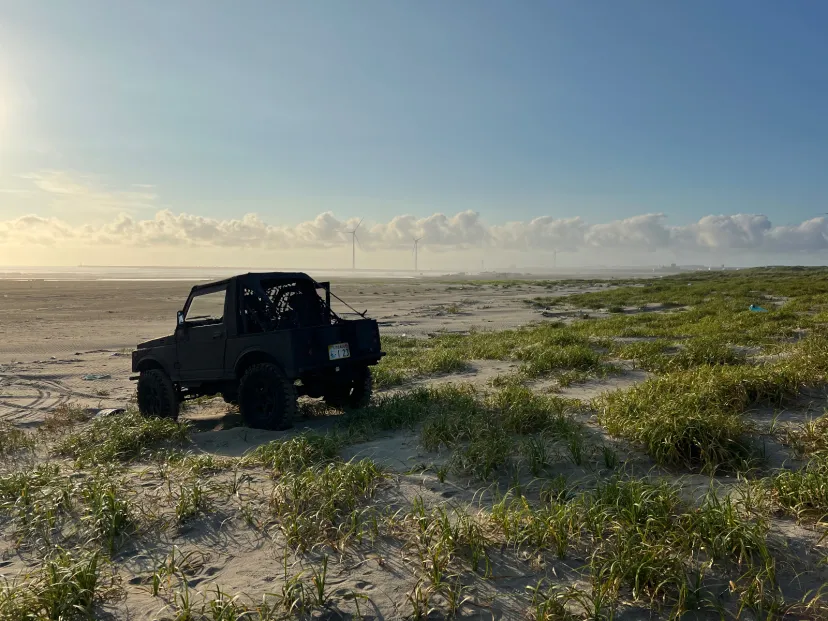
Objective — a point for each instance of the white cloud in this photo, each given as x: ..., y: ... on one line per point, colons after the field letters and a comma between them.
x: 36, y: 231
x: 545, y: 233
x: 119, y: 223
x: 648, y: 232
x: 811, y: 235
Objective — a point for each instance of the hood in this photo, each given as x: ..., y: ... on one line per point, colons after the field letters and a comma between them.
x: 164, y: 340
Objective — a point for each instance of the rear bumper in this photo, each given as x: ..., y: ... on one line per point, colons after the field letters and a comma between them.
x: 330, y: 365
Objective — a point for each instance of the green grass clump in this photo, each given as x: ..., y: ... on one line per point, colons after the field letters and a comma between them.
x: 121, y: 438
x: 810, y: 437
x: 193, y: 500
x: 480, y: 430
x: 570, y: 357
x: 553, y: 602
x: 44, y: 501
x: 409, y: 409
x: 520, y: 344
x: 408, y: 358
x: 553, y: 525
x: 655, y: 356
x: 720, y: 529
x: 653, y: 567
x: 37, y: 500
x: 194, y: 463
x: 541, y: 349
x: 744, y: 287
x: 521, y: 411
x: 674, y: 430
x: 722, y: 316
x: 295, y: 454
x: 109, y: 514
x: 636, y: 534
x: 63, y: 418
x: 451, y: 415
x: 320, y: 504
x: 483, y: 436
x: 719, y: 319
x: 630, y: 504
x: 804, y: 492
x: 68, y: 587
x: 483, y: 454
x: 437, y: 539
x: 13, y: 440
x: 694, y: 417
x: 316, y: 497
x: 648, y: 355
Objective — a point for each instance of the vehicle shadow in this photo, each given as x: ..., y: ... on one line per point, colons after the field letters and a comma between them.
x: 218, y: 428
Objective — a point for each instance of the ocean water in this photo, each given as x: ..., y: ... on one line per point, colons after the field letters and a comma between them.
x: 189, y: 274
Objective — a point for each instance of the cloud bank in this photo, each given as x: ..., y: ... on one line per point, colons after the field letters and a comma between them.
x: 124, y: 219
x: 440, y: 232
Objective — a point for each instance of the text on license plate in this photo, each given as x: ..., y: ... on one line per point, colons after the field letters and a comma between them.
x: 339, y: 351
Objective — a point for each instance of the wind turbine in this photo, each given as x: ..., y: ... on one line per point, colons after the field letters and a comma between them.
x: 354, y: 241
x: 416, y: 241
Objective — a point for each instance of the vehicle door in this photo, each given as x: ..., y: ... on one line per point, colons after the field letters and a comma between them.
x: 201, y: 336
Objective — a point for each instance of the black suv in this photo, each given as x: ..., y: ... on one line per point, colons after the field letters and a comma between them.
x: 259, y: 340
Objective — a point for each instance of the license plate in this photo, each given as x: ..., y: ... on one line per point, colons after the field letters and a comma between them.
x: 339, y: 351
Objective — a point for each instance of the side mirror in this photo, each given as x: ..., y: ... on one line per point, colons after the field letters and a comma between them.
x: 180, y: 318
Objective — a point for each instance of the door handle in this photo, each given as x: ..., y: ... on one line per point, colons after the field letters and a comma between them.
x: 218, y: 335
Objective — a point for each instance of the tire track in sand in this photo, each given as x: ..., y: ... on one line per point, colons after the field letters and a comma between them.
x: 26, y: 399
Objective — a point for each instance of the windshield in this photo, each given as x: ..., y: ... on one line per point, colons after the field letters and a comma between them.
x: 207, y: 306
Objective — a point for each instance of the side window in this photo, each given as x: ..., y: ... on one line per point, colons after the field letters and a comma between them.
x: 207, y: 307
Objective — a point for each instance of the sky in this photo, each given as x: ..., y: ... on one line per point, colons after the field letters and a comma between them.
x: 200, y: 132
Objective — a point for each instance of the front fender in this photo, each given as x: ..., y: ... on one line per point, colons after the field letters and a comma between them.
x: 146, y: 361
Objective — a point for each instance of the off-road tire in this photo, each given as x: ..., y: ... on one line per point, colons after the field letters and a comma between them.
x: 267, y: 399
x: 353, y: 394
x: 157, y: 396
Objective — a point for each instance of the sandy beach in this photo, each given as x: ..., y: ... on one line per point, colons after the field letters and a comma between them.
x: 66, y: 349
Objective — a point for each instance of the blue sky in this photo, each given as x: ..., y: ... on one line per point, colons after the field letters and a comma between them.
x: 599, y: 109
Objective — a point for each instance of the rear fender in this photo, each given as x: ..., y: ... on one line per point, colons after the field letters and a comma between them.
x: 252, y: 356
